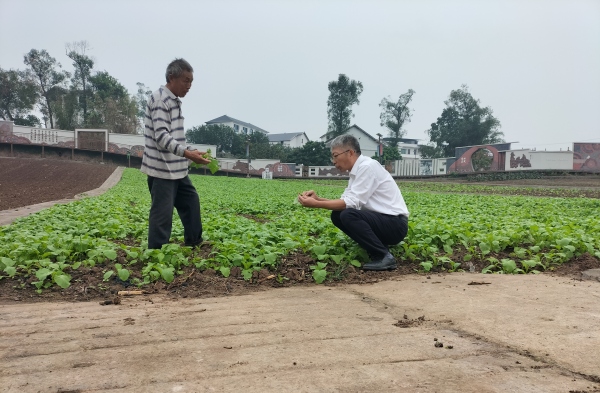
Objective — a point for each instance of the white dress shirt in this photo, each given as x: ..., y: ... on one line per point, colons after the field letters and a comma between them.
x: 371, y: 187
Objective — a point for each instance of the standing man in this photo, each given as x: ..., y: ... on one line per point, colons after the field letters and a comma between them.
x: 371, y: 210
x: 166, y: 158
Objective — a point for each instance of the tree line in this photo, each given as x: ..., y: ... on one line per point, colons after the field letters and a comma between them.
x: 81, y: 98
x: 90, y: 98
x: 462, y: 123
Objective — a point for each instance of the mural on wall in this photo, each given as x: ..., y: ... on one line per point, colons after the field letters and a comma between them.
x: 278, y: 169
x: 389, y: 166
x: 134, y: 151
x: 522, y: 162
x: 586, y: 157
x: 326, y: 171
x: 6, y: 128
x: 477, y: 158
x: 426, y: 167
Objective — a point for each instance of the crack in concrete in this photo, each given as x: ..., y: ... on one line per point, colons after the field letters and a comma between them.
x: 388, y: 308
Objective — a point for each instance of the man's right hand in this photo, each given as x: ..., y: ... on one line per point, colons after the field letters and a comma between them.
x: 195, y: 156
x: 309, y: 194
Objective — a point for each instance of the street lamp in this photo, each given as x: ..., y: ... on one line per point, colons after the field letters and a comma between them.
x: 248, y: 154
x: 379, y: 149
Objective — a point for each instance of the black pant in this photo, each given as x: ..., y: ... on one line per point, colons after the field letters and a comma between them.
x: 372, y: 231
x: 167, y: 194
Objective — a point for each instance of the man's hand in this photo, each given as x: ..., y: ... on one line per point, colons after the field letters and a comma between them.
x: 310, y: 194
x: 308, y: 200
x: 196, y: 156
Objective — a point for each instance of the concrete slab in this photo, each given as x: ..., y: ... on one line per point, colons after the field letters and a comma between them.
x: 591, y: 274
x: 516, y: 334
x: 10, y: 215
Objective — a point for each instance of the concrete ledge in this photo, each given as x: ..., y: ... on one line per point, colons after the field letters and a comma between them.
x: 520, y: 333
x: 592, y: 274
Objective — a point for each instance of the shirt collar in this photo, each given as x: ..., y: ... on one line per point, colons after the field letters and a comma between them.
x: 170, y: 94
x: 359, y: 161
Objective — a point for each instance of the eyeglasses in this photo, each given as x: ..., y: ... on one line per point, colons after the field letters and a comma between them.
x: 334, y: 157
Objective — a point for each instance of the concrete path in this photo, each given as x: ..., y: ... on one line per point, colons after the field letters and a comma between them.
x: 8, y: 216
x: 514, y: 334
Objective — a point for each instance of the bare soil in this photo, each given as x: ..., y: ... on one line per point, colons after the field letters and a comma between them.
x: 27, y: 181
x: 59, y: 179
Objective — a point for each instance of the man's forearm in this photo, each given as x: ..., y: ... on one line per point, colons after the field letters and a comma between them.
x: 331, y: 204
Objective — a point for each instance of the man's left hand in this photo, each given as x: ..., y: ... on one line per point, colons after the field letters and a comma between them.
x: 307, y: 201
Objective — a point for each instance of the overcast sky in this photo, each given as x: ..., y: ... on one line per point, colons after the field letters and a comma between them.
x: 536, y: 63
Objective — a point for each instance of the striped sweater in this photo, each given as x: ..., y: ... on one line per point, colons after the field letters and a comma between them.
x: 164, y: 137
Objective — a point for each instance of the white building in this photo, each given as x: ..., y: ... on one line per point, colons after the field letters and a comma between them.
x: 290, y: 139
x: 238, y: 125
x: 408, y: 147
x: 368, y: 143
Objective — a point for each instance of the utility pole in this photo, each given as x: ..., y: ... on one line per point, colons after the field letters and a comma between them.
x: 379, y: 149
x: 248, y: 154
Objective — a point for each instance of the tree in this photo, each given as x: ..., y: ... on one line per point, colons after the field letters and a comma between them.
x: 216, y: 134
x: 103, y: 85
x: 391, y: 153
x: 395, y: 114
x: 18, y: 95
x: 462, y: 123
x: 261, y: 148
x: 312, y: 153
x: 279, y: 152
x: 48, y: 78
x: 67, y: 110
x: 141, y: 99
x: 343, y: 93
x: 83, y: 65
x: 110, y: 106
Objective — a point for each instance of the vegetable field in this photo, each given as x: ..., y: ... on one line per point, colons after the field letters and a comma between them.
x: 254, y: 225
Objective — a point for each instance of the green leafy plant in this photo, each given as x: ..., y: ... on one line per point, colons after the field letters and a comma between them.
x: 213, y: 166
x: 319, y: 273
x: 251, y: 224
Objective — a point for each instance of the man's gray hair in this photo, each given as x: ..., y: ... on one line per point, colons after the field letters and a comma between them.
x: 176, y: 68
x: 346, y: 141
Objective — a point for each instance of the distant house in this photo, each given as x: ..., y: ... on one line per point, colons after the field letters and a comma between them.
x: 368, y: 143
x: 239, y: 126
x: 407, y: 147
x: 290, y: 139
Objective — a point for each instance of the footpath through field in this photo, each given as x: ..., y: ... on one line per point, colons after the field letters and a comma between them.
x: 520, y: 333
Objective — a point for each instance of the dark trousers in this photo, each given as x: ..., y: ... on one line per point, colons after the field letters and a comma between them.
x: 372, y: 231
x: 167, y: 194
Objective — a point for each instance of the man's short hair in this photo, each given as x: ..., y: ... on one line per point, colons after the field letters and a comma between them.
x: 346, y: 141
x: 176, y: 68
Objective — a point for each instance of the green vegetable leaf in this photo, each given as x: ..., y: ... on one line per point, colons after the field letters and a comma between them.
x: 10, y: 270
x: 319, y: 276
x: 319, y: 250
x: 42, y: 273
x: 124, y: 274
x: 62, y: 280
x: 355, y: 263
x: 225, y: 271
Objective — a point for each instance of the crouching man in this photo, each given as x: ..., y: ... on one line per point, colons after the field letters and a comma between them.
x: 371, y: 210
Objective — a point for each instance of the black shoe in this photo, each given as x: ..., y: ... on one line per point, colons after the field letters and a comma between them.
x: 193, y: 245
x: 388, y: 262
